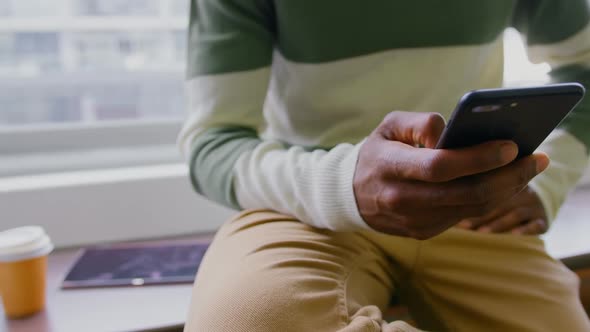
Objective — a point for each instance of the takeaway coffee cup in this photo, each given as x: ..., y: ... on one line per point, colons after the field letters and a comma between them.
x: 23, y: 266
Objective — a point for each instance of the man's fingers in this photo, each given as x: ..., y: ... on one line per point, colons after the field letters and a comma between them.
x: 508, y: 221
x: 533, y: 227
x: 413, y: 128
x: 501, y: 184
x: 526, y: 199
x: 488, y: 190
x: 476, y: 222
x: 430, y: 165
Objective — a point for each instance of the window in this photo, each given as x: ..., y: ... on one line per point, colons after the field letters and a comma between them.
x: 91, y: 61
x: 179, y: 7
x: 5, y: 9
x: 117, y: 7
x: 31, y: 8
x: 79, y: 75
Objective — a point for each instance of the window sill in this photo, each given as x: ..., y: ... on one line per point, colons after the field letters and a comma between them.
x: 12, y: 165
x: 94, y: 206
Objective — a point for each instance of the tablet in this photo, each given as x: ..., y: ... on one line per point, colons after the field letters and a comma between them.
x: 136, y: 264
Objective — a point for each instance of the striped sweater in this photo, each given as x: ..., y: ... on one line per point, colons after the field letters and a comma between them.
x: 282, y: 93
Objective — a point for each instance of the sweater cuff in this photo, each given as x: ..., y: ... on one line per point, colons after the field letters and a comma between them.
x: 344, y: 209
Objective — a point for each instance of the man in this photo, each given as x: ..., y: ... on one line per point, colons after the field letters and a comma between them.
x: 291, y: 117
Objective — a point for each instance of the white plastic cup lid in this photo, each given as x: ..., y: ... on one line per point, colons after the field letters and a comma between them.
x: 24, y: 243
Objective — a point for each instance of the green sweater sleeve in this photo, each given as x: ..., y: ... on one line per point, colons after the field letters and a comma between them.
x: 229, y: 53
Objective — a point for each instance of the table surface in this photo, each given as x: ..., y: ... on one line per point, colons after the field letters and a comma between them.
x: 156, y: 307
x: 145, y: 308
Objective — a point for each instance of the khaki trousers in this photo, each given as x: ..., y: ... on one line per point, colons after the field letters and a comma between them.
x: 266, y: 271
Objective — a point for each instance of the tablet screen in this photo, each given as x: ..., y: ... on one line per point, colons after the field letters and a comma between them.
x: 136, y: 264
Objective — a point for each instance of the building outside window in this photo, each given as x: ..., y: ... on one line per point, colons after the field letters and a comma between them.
x: 31, y: 8
x: 5, y: 8
x: 118, y: 7
x: 179, y: 7
x: 87, y: 61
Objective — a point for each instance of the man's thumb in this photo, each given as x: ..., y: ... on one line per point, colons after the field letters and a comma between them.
x: 413, y: 128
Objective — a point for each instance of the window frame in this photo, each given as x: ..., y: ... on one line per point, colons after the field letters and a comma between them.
x: 46, y: 149
x: 99, y: 135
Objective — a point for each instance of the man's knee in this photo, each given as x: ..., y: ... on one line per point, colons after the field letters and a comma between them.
x: 264, y: 302
x: 264, y: 274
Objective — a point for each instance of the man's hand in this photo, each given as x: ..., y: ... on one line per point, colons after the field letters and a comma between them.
x: 404, y: 190
x: 522, y: 214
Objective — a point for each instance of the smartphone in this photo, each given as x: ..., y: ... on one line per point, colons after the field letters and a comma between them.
x: 523, y: 115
